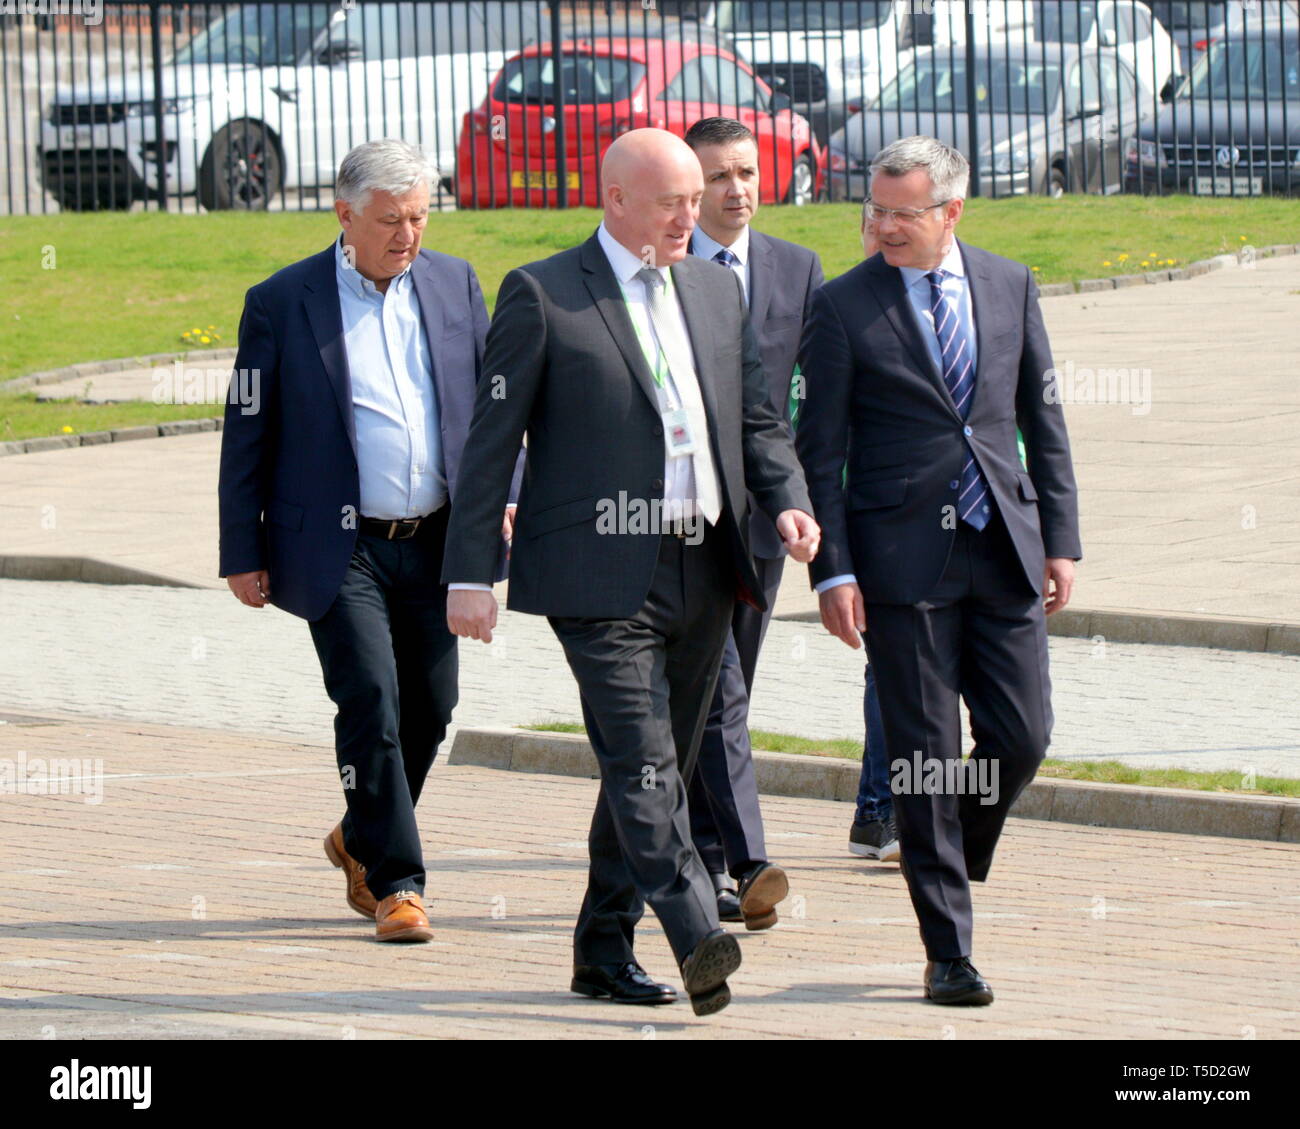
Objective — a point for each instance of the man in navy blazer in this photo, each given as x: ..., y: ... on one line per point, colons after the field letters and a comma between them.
x: 336, y: 489
x: 937, y: 541
x: 778, y: 280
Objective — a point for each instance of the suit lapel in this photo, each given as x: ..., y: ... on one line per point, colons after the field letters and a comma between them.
x: 693, y: 301
x: 980, y: 280
x: 605, y: 292
x: 762, y: 277
x: 321, y: 301
x: 431, y: 313
x: 892, y: 296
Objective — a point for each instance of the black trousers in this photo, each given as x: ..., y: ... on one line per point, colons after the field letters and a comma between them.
x: 981, y: 636
x: 390, y: 667
x: 726, y: 822
x: 646, y: 683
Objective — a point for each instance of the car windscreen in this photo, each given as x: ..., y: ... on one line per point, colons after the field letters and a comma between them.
x: 807, y: 15
x: 1189, y: 15
x: 938, y: 85
x: 1247, y: 68
x: 258, y: 35
x: 1064, y: 21
x: 587, y: 79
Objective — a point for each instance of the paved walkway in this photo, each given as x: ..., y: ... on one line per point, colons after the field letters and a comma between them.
x: 193, y: 900
x: 192, y: 657
x: 1190, y: 483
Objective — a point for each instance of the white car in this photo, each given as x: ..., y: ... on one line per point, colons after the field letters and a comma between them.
x: 1126, y: 25
x: 272, y: 95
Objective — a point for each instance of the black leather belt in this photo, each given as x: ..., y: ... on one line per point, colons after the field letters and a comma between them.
x: 400, y: 529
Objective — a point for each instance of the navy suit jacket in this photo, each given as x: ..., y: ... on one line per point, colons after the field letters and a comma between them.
x: 877, y: 402
x: 289, y: 490
x: 782, y: 280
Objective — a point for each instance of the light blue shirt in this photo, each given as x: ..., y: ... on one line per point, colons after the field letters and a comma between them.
x: 394, y: 404
x: 916, y: 283
x: 705, y: 246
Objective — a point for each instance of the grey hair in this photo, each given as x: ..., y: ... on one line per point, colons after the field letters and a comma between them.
x: 386, y: 165
x: 948, y: 170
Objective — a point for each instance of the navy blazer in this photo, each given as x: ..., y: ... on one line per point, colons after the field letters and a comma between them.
x: 783, y: 277
x: 877, y: 404
x: 289, y: 488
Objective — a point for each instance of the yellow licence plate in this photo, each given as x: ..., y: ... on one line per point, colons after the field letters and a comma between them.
x: 539, y: 178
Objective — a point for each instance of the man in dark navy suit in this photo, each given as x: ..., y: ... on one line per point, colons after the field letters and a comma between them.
x: 939, y: 544
x: 335, y: 495
x: 778, y: 280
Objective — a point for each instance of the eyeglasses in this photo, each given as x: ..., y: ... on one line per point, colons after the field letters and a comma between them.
x: 875, y: 213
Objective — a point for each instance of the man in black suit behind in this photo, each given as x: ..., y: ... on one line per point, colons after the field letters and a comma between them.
x: 938, y: 543
x: 648, y: 422
x: 778, y: 279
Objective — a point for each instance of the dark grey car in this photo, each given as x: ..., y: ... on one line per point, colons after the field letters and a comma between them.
x: 1050, y: 118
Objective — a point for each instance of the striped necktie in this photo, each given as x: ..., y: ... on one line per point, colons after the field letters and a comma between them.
x: 973, y: 501
x: 725, y: 257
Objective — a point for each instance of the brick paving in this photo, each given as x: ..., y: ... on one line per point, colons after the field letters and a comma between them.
x: 194, y: 901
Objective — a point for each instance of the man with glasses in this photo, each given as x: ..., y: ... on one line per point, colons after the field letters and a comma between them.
x: 937, y: 544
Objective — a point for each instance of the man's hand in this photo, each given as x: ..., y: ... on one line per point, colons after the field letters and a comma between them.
x: 252, y: 588
x: 1058, y: 583
x: 843, y: 613
x: 471, y: 614
x: 508, y: 527
x: 801, y: 534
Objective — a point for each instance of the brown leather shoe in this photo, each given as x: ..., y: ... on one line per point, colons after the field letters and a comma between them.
x: 400, y: 917
x: 760, y: 891
x: 359, y: 896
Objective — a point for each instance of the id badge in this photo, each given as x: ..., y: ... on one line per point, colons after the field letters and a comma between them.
x: 677, y: 428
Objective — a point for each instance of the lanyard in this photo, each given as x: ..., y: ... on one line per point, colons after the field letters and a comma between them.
x: 653, y: 352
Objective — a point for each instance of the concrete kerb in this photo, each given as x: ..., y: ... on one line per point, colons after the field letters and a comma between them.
x: 87, y: 570
x: 116, y: 364
x: 1176, y: 274
x: 1270, y: 818
x: 1224, y: 633
x: 117, y: 435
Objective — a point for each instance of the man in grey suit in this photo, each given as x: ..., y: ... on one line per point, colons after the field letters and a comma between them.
x: 939, y: 543
x: 778, y: 279
x: 634, y: 373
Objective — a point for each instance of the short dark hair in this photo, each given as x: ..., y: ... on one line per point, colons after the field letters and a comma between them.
x: 718, y: 131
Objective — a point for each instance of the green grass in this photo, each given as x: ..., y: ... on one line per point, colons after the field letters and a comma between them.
x: 126, y: 285
x: 1102, y: 772
x: 22, y: 417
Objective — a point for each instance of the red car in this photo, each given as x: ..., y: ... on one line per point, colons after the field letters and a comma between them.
x: 507, y: 150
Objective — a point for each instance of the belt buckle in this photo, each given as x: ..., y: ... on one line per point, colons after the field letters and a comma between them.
x: 403, y: 530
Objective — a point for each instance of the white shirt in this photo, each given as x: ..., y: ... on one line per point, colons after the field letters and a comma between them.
x: 705, y: 246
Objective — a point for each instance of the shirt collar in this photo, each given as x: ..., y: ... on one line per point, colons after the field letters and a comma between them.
x: 705, y: 246
x: 355, y: 281
x: 952, y: 264
x: 626, y: 265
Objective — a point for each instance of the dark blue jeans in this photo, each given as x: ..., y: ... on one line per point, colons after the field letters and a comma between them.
x: 874, y: 798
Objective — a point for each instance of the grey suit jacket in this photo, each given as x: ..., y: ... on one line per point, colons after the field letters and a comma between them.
x: 783, y: 277
x: 876, y: 401
x: 562, y: 365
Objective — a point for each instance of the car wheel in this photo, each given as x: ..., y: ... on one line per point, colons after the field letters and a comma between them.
x: 1054, y: 184
x: 241, y: 168
x: 802, y: 182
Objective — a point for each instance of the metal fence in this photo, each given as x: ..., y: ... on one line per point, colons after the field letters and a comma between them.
x: 184, y: 106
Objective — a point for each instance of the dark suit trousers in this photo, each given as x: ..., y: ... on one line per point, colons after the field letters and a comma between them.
x: 726, y: 823
x: 390, y: 667
x: 982, y: 636
x: 646, y: 683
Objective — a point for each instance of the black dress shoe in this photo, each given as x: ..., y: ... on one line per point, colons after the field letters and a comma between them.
x: 956, y: 982
x: 760, y: 891
x: 705, y: 971
x: 622, y: 983
x: 728, y: 902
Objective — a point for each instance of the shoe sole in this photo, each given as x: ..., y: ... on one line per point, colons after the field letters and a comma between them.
x: 415, y: 933
x: 706, y: 980
x: 770, y: 888
x: 977, y: 997
x: 594, y: 993
x: 890, y: 852
x: 331, y: 853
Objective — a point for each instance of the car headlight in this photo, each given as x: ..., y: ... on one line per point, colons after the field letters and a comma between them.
x: 170, y: 106
x: 1011, y: 161
x: 856, y: 66
x: 1149, y: 153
